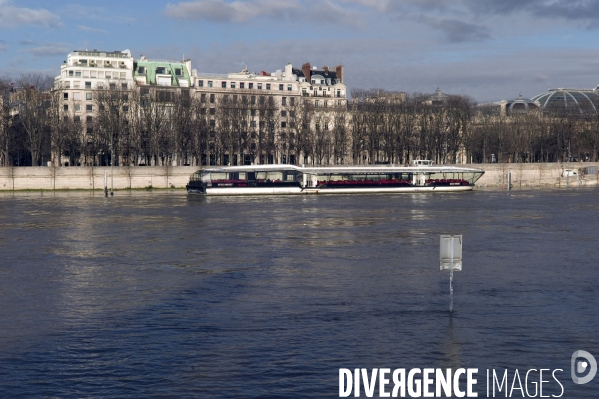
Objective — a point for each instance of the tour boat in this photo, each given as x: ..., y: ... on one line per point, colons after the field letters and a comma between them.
x: 422, y: 176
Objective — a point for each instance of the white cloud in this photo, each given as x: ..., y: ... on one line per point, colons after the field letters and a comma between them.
x: 89, y: 29
x: 49, y: 50
x: 12, y: 16
x: 236, y: 11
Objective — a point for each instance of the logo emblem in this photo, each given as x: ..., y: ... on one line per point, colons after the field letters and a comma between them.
x: 580, y: 366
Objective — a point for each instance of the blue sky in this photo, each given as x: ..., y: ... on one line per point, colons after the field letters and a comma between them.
x: 487, y: 49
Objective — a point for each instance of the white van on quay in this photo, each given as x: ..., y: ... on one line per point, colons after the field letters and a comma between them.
x: 569, y: 172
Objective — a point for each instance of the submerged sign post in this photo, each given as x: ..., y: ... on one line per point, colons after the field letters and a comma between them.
x: 450, y: 259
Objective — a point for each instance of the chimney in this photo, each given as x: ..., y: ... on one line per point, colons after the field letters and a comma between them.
x: 326, y: 70
x: 339, y: 71
x: 306, y: 70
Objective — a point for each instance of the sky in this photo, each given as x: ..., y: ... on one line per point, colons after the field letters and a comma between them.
x: 489, y: 50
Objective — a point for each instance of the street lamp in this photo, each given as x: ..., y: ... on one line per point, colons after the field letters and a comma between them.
x: 111, y: 164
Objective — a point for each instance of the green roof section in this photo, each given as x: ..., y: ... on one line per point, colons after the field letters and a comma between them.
x: 169, y: 68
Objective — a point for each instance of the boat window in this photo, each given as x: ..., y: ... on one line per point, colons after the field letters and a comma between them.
x: 261, y: 175
x: 242, y: 176
x: 289, y: 176
x: 274, y: 176
x: 218, y: 176
x: 234, y: 176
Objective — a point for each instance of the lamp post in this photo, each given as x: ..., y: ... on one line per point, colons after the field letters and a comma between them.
x: 111, y: 164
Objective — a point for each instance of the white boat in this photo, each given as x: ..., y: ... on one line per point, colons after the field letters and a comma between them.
x: 290, y: 179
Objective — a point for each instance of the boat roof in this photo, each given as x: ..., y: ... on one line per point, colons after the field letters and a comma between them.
x: 342, y: 169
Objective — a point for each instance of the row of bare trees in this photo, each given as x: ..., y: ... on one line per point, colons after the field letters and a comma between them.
x: 167, y: 126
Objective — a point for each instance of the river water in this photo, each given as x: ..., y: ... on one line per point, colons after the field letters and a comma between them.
x: 160, y: 294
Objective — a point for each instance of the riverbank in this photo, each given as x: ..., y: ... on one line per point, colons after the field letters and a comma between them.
x: 92, y: 178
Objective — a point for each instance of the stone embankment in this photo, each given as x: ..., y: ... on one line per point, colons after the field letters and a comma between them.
x: 531, y: 175
x: 92, y: 178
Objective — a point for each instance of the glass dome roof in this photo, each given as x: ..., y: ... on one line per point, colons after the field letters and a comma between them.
x: 583, y: 101
x: 520, y: 104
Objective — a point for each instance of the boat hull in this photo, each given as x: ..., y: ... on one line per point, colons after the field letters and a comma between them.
x: 216, y: 191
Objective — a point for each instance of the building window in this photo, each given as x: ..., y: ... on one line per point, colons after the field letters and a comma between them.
x: 212, y: 111
x: 161, y: 70
x: 178, y: 72
x: 250, y: 85
x: 283, y: 124
x: 112, y: 86
x: 289, y: 87
x: 326, y: 126
x: 223, y: 85
x: 252, y: 123
x: 313, y: 82
x: 252, y: 112
x: 200, y: 83
x: 259, y: 86
x: 316, y: 104
x: 65, y: 107
x: 71, y: 74
x: 76, y: 84
x: 108, y: 75
x: 88, y: 85
x: 88, y: 96
x: 89, y: 119
x: 212, y: 98
x: 203, y: 98
x: 77, y: 74
x: 253, y: 100
x: 77, y: 119
x: 209, y: 83
x: 268, y: 86
x: 212, y: 123
x: 141, y: 70
x: 232, y: 85
x: 89, y: 107
x: 338, y: 93
x: 77, y: 96
x: 281, y: 87
x: 283, y: 113
x: 124, y: 86
x: 242, y: 85
x: 65, y: 96
x: 292, y: 101
x: 284, y: 101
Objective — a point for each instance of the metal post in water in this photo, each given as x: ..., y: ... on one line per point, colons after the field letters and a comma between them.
x: 105, y: 184
x: 509, y: 181
x: 450, y: 257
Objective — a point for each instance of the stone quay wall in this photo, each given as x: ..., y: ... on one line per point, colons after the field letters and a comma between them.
x: 531, y: 175
x: 92, y: 178
x: 523, y: 175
